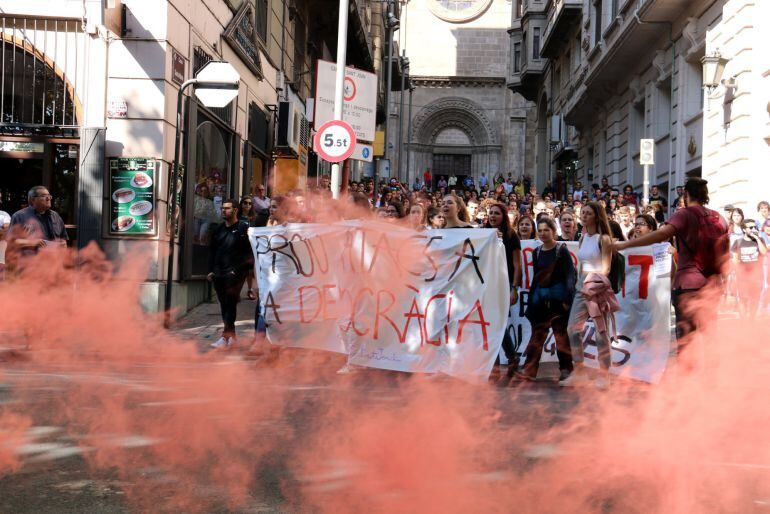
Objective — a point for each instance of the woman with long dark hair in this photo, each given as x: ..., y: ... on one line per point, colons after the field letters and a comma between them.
x: 595, y: 256
x: 550, y: 298
x: 498, y: 219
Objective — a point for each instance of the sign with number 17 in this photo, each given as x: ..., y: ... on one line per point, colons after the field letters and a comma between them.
x: 334, y: 141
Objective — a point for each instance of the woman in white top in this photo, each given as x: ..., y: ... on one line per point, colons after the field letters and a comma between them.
x: 595, y: 255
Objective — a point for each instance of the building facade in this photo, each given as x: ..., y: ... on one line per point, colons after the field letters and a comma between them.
x: 606, y: 73
x: 463, y: 119
x: 88, y: 108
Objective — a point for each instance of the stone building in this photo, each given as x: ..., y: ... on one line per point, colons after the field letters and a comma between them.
x: 86, y: 83
x: 606, y: 73
x: 464, y: 121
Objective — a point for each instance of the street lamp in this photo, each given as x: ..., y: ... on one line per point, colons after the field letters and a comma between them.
x: 713, y: 68
x: 215, y: 85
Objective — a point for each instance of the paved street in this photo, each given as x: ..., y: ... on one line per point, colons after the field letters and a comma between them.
x: 63, y: 466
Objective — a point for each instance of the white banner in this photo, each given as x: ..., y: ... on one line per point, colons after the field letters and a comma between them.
x: 434, y: 301
x: 643, y: 340
x: 390, y: 297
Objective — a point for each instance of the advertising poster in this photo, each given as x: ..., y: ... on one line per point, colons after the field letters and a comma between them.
x: 132, y: 196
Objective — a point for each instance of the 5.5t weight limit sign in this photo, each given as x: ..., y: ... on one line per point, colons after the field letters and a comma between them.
x: 335, y: 141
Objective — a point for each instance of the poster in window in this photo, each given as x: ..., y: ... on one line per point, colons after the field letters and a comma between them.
x: 132, y: 196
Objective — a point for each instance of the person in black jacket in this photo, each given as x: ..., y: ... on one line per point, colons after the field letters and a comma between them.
x: 229, y: 261
x: 550, y: 299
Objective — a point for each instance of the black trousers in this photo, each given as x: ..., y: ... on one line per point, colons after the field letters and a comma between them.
x: 537, y: 340
x: 228, y: 289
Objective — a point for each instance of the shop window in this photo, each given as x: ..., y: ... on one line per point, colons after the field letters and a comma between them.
x: 213, y: 161
x: 255, y: 151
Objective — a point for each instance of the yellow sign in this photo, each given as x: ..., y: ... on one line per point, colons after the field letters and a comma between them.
x: 379, y: 143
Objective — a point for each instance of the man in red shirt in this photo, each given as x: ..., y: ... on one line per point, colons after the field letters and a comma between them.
x: 703, y: 250
x: 428, y: 179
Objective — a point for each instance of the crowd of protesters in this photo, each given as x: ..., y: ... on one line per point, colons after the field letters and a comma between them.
x: 602, y: 219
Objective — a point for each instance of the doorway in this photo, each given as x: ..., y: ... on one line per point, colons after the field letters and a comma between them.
x: 25, y: 164
x: 446, y: 165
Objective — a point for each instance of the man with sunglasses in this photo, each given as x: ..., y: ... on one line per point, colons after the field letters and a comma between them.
x: 37, y: 226
x: 747, y: 255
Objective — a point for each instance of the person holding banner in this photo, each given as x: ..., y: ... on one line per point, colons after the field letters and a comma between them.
x: 595, y: 256
x: 702, y: 237
x: 550, y: 300
x: 498, y: 219
x: 455, y: 213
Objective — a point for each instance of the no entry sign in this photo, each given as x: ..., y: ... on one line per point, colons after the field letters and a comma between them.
x: 334, y: 141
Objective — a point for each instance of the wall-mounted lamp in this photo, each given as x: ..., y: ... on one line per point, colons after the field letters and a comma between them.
x: 713, y: 68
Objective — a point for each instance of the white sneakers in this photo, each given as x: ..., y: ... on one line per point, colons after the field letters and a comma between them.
x: 347, y: 369
x: 223, y: 342
x: 579, y: 378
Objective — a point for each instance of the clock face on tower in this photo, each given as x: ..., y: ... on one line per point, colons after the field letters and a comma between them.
x: 458, y: 10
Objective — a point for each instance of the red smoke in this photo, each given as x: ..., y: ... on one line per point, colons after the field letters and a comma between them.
x: 212, y: 429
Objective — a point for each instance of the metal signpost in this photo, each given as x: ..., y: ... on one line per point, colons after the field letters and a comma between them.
x: 646, y: 159
x: 342, y: 50
x: 216, y: 85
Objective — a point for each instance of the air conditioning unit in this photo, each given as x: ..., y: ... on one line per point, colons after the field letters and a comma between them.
x: 290, y: 126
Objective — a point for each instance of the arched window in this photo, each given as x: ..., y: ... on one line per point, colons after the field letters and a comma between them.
x: 32, y: 90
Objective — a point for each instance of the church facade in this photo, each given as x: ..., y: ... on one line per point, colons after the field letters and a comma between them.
x: 464, y: 120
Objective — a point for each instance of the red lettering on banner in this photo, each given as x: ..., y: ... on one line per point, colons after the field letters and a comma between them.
x: 344, y: 293
x: 383, y: 314
x: 354, y: 310
x: 326, y: 301
x: 446, y: 327
x: 645, y: 262
x: 302, y: 303
x: 480, y: 321
x: 414, y: 312
x: 526, y: 256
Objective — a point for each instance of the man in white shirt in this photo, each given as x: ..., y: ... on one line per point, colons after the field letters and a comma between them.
x: 261, y: 206
x: 452, y: 180
x: 483, y: 182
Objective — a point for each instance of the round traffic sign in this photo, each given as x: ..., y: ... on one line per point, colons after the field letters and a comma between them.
x: 335, y: 141
x: 349, y: 89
